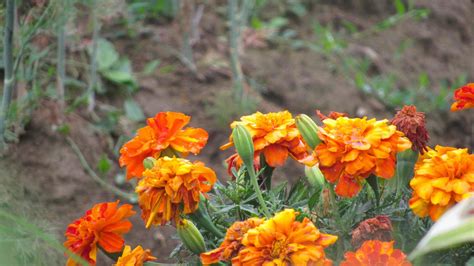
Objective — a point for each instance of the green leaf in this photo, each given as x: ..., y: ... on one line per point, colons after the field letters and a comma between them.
x: 106, y: 54
x: 120, y: 72
x: 315, y: 198
x: 104, y: 164
x: 400, y: 7
x: 133, y: 111
x: 151, y: 67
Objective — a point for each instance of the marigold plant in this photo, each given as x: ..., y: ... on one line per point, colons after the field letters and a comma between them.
x: 165, y: 130
x: 282, y: 240
x: 412, y: 123
x: 274, y: 135
x: 103, y: 226
x: 464, y: 98
x: 375, y: 252
x: 232, y: 243
x: 354, y: 148
x: 172, y: 187
x: 135, y: 257
x: 443, y: 177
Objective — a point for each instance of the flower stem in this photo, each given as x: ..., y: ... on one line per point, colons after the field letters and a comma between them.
x: 202, y: 218
x: 256, y: 187
x: 8, y: 84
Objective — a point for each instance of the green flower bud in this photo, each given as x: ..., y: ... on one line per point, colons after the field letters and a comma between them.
x: 191, y: 237
x: 149, y: 162
x: 308, y: 129
x: 314, y: 175
x: 244, y: 145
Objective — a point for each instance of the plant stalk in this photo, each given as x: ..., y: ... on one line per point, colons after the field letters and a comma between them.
x: 61, y: 71
x: 93, y: 70
x: 8, y: 83
x: 256, y: 187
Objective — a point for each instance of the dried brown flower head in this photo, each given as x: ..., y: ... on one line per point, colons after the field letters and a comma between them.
x: 377, y: 228
x: 412, y: 124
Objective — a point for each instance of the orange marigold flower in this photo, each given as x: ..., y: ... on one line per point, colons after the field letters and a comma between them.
x: 275, y: 135
x: 163, y: 131
x: 134, y: 257
x: 172, y: 187
x: 412, y: 124
x: 377, y: 228
x: 464, y: 98
x: 375, y: 252
x: 232, y: 243
x: 443, y: 177
x: 102, y: 225
x: 282, y: 240
x: 354, y: 148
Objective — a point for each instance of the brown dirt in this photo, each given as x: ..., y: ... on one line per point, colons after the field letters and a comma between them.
x: 51, y: 178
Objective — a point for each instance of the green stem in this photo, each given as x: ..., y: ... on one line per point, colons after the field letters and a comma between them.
x: 256, y: 187
x: 201, y: 217
x: 93, y: 70
x: 61, y: 72
x: 8, y: 84
x: 234, y: 40
x: 128, y: 196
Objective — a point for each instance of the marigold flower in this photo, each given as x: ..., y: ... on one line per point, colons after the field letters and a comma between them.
x: 377, y: 228
x: 464, y: 98
x: 163, y: 131
x: 134, y: 257
x: 232, y: 243
x: 443, y: 177
x: 375, y: 252
x: 102, y: 225
x: 412, y: 124
x: 172, y: 187
x: 282, y: 240
x: 354, y: 148
x: 275, y: 135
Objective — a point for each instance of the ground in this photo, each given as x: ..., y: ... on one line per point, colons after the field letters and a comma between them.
x: 43, y: 173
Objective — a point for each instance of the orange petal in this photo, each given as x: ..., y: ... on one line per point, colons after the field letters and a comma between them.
x: 275, y: 155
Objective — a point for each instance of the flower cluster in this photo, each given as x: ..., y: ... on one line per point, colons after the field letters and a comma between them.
x: 274, y: 135
x: 164, y: 131
x: 103, y: 226
x: 354, y: 148
x: 280, y: 240
x: 375, y: 252
x: 171, y: 187
x: 443, y: 177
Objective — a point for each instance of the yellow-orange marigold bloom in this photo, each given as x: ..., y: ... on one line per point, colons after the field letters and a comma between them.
x: 172, y: 187
x: 232, y: 242
x: 163, y: 131
x: 134, y: 257
x: 354, y: 148
x: 275, y: 135
x: 282, y: 240
x: 102, y: 225
x: 464, y: 98
x: 443, y: 177
x: 375, y: 252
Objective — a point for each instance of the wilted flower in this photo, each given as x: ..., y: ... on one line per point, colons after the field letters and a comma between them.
x: 232, y: 243
x: 102, y: 225
x: 163, y: 131
x: 464, y: 98
x: 172, y: 187
x: 443, y: 177
x: 412, y: 124
x: 282, y: 240
x: 275, y: 135
x: 374, y: 252
x: 377, y: 228
x: 134, y: 257
x: 354, y: 148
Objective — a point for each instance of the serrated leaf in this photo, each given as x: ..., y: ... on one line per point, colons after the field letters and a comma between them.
x: 106, y: 54
x: 133, y: 111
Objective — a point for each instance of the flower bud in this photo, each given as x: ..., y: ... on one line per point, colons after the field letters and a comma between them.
x: 244, y: 145
x: 314, y: 175
x: 191, y: 237
x: 149, y: 162
x: 308, y: 129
